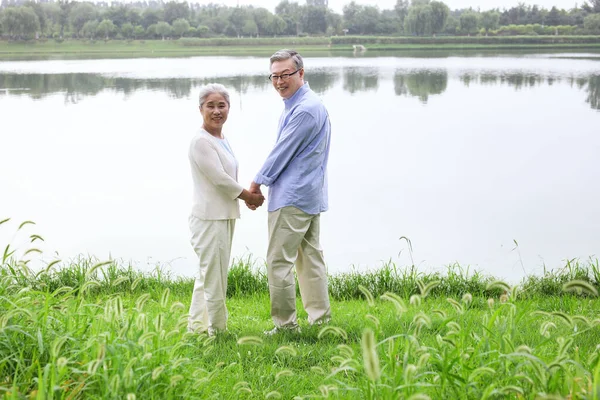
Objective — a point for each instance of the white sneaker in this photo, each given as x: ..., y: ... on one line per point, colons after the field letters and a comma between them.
x: 280, y: 329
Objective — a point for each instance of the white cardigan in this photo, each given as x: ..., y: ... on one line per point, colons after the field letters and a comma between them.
x: 214, y: 173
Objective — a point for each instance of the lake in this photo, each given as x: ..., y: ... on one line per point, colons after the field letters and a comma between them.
x: 488, y: 160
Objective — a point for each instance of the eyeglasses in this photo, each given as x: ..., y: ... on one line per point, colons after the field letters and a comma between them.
x: 284, y: 77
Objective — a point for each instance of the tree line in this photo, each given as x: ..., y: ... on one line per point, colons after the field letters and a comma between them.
x: 152, y: 19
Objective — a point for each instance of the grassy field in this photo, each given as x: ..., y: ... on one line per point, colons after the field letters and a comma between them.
x: 89, y: 330
x: 258, y: 47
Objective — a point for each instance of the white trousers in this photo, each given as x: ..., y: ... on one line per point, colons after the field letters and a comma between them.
x: 294, y: 238
x: 211, y: 241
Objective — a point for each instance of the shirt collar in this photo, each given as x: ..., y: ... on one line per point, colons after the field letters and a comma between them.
x: 296, y: 96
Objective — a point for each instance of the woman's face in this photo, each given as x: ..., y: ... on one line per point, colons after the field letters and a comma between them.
x: 214, y: 111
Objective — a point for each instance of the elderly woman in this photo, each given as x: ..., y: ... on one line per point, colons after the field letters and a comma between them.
x: 215, y: 209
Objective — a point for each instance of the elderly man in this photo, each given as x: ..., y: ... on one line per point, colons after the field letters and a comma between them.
x: 295, y: 172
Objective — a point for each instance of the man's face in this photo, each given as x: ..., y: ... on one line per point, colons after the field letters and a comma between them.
x: 286, y: 85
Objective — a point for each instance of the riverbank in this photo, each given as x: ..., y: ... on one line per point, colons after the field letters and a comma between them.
x: 85, y: 330
x: 265, y: 46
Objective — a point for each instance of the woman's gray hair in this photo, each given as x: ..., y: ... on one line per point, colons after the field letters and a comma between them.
x: 286, y: 54
x: 212, y: 88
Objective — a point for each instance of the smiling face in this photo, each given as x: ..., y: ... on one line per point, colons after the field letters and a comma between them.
x: 214, y: 111
x: 286, y: 87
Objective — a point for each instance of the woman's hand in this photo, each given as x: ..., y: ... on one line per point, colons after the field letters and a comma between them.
x: 252, y: 200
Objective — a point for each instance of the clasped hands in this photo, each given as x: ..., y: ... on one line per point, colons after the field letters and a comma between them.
x: 256, y: 197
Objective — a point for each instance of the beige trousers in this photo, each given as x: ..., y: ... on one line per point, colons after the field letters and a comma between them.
x: 211, y: 241
x: 294, y: 238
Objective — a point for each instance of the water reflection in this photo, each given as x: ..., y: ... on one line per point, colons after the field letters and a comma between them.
x: 411, y: 83
x: 360, y: 79
x: 420, y: 84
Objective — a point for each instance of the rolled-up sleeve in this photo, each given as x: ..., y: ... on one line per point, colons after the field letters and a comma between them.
x: 294, y: 137
x: 206, y: 158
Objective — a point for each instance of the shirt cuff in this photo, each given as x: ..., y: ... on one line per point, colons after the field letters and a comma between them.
x: 263, y: 180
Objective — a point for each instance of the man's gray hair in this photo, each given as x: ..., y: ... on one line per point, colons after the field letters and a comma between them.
x: 286, y: 54
x: 212, y: 88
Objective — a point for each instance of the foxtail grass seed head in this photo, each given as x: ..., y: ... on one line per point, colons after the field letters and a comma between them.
x: 286, y: 350
x: 374, y: 320
x: 368, y: 295
x: 61, y: 363
x: 370, y: 357
x: 273, y: 395
x: 415, y: 300
x: 409, y: 372
x: 503, y: 297
x: 283, y: 373
x: 498, y: 285
x: 157, y: 371
x: 580, y: 287
x: 250, y: 340
x: 490, y: 302
x: 467, y: 298
x: 175, y: 379
x: 131, y: 396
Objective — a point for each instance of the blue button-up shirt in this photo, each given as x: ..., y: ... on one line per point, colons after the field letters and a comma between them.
x: 296, y: 169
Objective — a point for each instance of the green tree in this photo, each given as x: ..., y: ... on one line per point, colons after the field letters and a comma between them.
x: 419, y: 20
x: 150, y: 17
x: 173, y: 11
x: 151, y: 31
x: 290, y: 13
x: 490, y: 20
x: 452, y: 25
x: 180, y: 27
x: 314, y: 19
x: 80, y: 14
x: 469, y: 22
x: 138, y: 31
x: 401, y: 9
x: 217, y: 25
x: 439, y: 16
x: 350, y: 14
x: 202, y: 30
x: 65, y: 12
x: 263, y: 18
x: 238, y: 18
x: 90, y: 29
x: 106, y: 29
x: 335, y: 23
x: 134, y: 16
x: 553, y: 18
x: 117, y: 14
x: 10, y: 19
x: 163, y: 29
x: 52, y: 12
x: 278, y: 25
x: 250, y: 28
x: 594, y: 7
x: 39, y: 10
x: 29, y: 23
x: 368, y: 18
x: 591, y: 23
x: 127, y: 30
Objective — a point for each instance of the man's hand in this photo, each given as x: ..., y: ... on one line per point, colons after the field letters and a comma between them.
x: 253, y: 197
x: 255, y: 190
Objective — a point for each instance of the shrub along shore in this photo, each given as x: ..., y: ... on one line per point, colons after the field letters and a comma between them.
x: 84, y: 329
x: 198, y: 46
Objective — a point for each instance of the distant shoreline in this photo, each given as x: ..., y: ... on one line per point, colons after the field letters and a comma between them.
x: 265, y: 46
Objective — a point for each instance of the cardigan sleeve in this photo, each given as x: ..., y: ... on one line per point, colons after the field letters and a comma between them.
x: 206, y: 158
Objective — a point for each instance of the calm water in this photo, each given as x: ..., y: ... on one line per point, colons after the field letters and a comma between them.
x: 464, y: 155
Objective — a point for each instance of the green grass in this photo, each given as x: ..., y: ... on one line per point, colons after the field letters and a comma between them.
x: 265, y: 46
x: 91, y: 330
